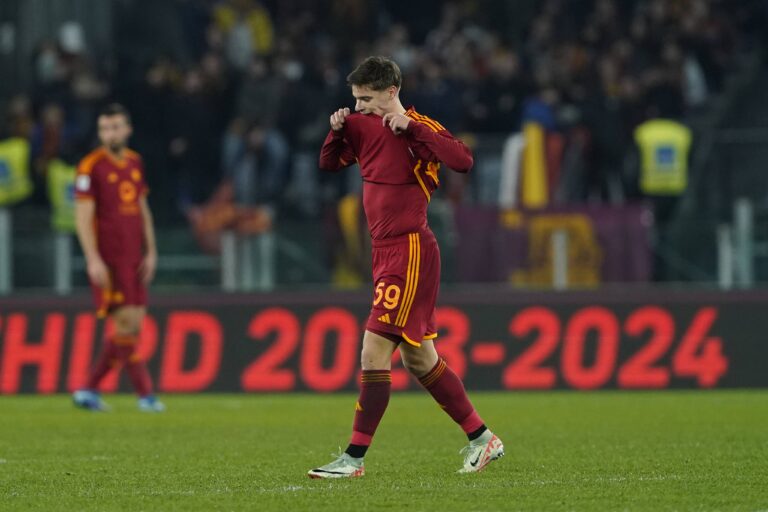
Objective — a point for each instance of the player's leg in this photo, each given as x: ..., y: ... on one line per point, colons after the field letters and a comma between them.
x: 375, y: 389
x: 448, y: 391
x: 421, y: 359
x: 127, y: 321
x: 108, y: 359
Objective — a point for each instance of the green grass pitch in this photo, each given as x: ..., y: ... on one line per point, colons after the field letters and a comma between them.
x: 565, y: 451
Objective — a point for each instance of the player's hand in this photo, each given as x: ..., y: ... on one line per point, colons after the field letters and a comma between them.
x: 148, y: 267
x: 338, y: 118
x: 398, y: 123
x: 98, y: 272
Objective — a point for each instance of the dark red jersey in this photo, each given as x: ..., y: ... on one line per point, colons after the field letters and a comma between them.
x: 116, y: 186
x: 400, y: 172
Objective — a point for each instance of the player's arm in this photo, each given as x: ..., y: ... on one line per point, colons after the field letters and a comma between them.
x: 149, y: 264
x: 336, y: 152
x: 447, y: 148
x: 85, y: 215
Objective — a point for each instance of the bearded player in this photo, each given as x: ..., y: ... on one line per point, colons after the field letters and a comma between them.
x: 114, y: 226
x: 399, y: 152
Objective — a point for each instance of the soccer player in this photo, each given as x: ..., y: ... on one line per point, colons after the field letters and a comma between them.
x: 114, y: 225
x: 399, y: 152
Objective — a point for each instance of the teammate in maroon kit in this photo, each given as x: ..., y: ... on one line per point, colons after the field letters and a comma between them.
x: 114, y: 225
x: 399, y: 152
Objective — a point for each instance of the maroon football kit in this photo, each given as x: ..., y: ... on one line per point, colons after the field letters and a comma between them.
x: 400, y: 171
x: 400, y: 174
x: 116, y: 186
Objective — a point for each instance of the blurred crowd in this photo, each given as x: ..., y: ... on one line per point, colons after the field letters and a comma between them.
x: 237, y: 93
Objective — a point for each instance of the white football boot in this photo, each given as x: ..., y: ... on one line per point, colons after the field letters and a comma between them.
x: 344, y: 466
x: 481, y: 452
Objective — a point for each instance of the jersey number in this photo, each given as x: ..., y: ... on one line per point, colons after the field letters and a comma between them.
x: 391, y: 295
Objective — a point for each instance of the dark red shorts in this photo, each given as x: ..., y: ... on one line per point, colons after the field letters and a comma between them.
x: 125, y: 289
x: 406, y: 279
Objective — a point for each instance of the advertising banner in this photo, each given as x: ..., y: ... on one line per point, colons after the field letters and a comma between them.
x: 495, y: 340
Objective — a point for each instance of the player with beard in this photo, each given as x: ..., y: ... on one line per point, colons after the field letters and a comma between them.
x: 114, y: 226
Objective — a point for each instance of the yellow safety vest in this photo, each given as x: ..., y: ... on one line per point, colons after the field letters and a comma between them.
x: 61, y: 194
x: 15, y: 184
x: 664, y: 145
x: 257, y: 20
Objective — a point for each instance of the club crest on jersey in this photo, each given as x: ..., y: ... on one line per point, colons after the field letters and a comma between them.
x: 127, y: 192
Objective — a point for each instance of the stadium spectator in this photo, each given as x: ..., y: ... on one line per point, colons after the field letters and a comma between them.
x: 247, y: 30
x: 229, y: 65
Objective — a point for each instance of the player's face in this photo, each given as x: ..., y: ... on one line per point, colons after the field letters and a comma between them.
x: 114, y: 131
x: 368, y: 101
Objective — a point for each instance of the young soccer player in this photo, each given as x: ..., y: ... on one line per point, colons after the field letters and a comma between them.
x: 114, y: 226
x: 399, y: 152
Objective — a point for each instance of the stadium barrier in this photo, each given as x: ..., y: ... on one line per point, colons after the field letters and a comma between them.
x: 494, y: 339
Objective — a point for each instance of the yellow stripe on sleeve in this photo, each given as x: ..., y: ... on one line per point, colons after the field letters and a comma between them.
x: 421, y: 181
x: 434, y: 125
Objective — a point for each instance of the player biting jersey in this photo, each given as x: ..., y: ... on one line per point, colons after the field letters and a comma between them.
x: 399, y: 152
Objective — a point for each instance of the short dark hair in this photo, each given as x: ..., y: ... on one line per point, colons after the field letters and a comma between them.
x: 115, y: 109
x: 378, y: 73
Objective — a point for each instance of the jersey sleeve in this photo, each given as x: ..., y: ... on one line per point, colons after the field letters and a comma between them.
x: 85, y: 180
x: 448, y: 149
x: 336, y: 152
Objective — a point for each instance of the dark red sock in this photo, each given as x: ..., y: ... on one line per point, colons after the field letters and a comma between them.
x: 134, y: 366
x: 139, y: 375
x: 108, y: 359
x: 446, y: 388
x: 375, y: 389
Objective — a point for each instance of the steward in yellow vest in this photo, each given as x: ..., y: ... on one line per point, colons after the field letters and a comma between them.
x: 664, y: 145
x: 15, y: 183
x: 61, y: 194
